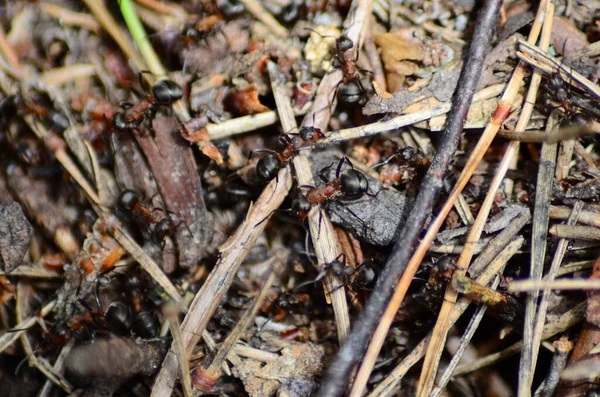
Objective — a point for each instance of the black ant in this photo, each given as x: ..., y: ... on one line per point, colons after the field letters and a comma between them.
x: 268, y: 166
x: 355, y: 278
x: 120, y: 317
x: 350, y: 184
x: 164, y: 226
x: 351, y: 90
x: 407, y: 166
x: 164, y: 93
x: 197, y: 31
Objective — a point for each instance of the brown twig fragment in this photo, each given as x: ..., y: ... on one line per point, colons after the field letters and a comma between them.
x: 205, y: 378
x: 321, y: 229
x: 233, y: 253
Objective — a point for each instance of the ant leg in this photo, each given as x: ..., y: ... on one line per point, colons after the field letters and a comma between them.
x: 340, y: 164
x: 358, y: 218
x: 262, y: 151
x: 324, y: 177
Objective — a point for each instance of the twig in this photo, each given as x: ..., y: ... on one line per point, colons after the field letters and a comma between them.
x: 556, y: 285
x: 562, y: 323
x: 464, y: 343
x: 205, y: 378
x: 105, y: 19
x: 256, y: 9
x: 539, y: 240
x: 241, y: 125
x: 575, y: 232
x: 386, y: 387
x: 171, y: 312
x: 15, y: 333
x: 321, y: 230
x: 339, y: 371
x: 540, y: 59
x: 404, y: 120
x: 70, y: 17
x: 543, y: 304
x: 219, y: 280
x: 563, y: 347
x: 38, y: 362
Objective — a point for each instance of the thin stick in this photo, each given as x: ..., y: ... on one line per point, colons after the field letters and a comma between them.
x: 539, y: 241
x: 219, y: 280
x: 321, y: 230
x: 541, y: 60
x: 99, y: 10
x: 404, y: 120
x: 464, y: 343
x: 557, y: 285
x: 256, y: 9
x: 562, y: 323
x: 543, y: 304
x: 355, y: 346
x: 244, y: 322
x: 575, y: 232
x: 387, y: 386
x: 15, y: 333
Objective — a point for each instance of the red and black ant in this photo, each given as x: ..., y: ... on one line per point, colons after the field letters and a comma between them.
x: 124, y: 318
x: 197, y: 31
x: 269, y: 165
x: 350, y: 184
x: 164, y: 226
x: 355, y: 278
x: 405, y: 167
x: 164, y: 93
x: 351, y: 90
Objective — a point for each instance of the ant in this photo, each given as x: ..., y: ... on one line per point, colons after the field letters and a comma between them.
x: 268, y: 166
x: 120, y: 317
x: 355, y: 278
x: 197, y: 31
x: 351, y: 90
x: 164, y: 93
x: 164, y: 226
x: 408, y: 168
x: 350, y: 184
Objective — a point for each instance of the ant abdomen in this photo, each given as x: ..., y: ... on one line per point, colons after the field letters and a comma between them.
x: 128, y: 200
x: 167, y: 92
x: 119, y: 318
x: 354, y: 183
x: 350, y: 92
x: 268, y: 167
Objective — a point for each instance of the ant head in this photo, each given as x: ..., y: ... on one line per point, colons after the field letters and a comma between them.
x: 407, y: 153
x: 354, y: 183
x: 350, y: 92
x: 311, y: 134
x: 164, y: 228
x: 128, y: 200
x: 267, y: 167
x: 146, y: 325
x: 189, y: 31
x: 119, y: 318
x: 301, y: 206
x: 58, y: 121
x: 167, y: 92
x: 445, y: 265
x: 118, y: 122
x: 344, y: 43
